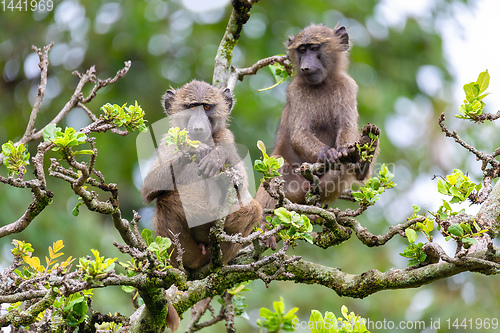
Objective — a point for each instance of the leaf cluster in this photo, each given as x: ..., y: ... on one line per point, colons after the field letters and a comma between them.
x: 414, y: 250
x: 180, y: 140
x: 296, y: 226
x: 268, y: 166
x: 16, y: 157
x: 277, y: 320
x: 159, y: 247
x: 426, y: 227
x: 131, y: 117
x: 35, y: 269
x: 370, y: 192
x: 65, y: 140
x: 238, y: 300
x: 474, y: 94
x: 459, y: 187
x: 464, y: 233
x: 350, y: 323
x: 73, y: 308
x: 95, y: 268
x: 367, y: 150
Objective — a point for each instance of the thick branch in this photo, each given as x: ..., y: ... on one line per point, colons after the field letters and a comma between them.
x: 239, y: 17
x: 28, y: 316
x: 490, y: 211
x: 362, y: 285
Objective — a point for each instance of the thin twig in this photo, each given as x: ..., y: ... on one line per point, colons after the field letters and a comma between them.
x: 44, y: 65
x: 480, y: 155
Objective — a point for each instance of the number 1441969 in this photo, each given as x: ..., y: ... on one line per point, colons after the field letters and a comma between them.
x: 473, y: 324
x: 25, y: 5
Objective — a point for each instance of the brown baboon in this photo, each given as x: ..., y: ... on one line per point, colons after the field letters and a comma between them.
x: 189, y: 186
x: 320, y: 118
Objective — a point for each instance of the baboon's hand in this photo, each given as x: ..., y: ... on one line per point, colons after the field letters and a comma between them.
x: 211, y: 164
x: 202, y: 151
x: 365, y: 134
x: 328, y: 155
x: 344, y: 153
x: 332, y: 156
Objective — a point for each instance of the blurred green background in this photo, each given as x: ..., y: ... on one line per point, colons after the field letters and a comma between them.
x: 405, y: 83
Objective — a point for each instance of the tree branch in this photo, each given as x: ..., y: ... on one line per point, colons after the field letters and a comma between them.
x: 480, y: 155
x: 222, y: 65
x: 44, y: 65
x: 239, y: 73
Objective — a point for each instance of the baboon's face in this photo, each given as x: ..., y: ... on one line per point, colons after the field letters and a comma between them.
x: 316, y: 51
x: 195, y: 118
x: 310, y: 66
x: 199, y: 108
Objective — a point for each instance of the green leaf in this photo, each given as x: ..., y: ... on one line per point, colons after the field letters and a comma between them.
x: 7, y: 148
x: 466, y: 228
x: 316, y: 317
x: 446, y: 205
x: 49, y: 132
x: 411, y: 235
x: 469, y: 240
x: 290, y: 314
x: 147, y: 235
x: 429, y: 225
x: 128, y: 289
x: 471, y: 90
x: 265, y: 313
x: 283, y: 214
x: 344, y: 311
x: 261, y: 146
x: 456, y: 230
x: 483, y: 81
x: 77, y: 314
x: 279, y: 307
x: 442, y: 186
x: 454, y: 191
x: 259, y: 166
x: 480, y: 97
x: 308, y: 238
x: 86, y: 152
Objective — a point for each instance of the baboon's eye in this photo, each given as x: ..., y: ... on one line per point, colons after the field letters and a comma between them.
x: 302, y: 49
x: 207, y: 107
x: 315, y: 47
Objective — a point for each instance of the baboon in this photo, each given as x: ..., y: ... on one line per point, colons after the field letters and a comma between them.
x: 319, y: 122
x: 188, y: 185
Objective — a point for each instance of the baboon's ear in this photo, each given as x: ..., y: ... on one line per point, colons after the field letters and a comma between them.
x: 228, y: 97
x: 291, y: 40
x: 167, y: 99
x: 344, y: 37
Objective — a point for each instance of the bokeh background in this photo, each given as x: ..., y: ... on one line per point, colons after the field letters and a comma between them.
x: 409, y: 59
